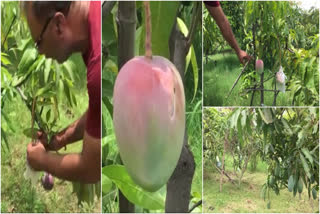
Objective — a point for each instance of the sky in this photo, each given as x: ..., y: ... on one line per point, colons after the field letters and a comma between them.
x: 307, y: 4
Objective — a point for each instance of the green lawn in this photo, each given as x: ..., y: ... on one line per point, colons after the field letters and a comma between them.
x: 194, y: 127
x: 246, y: 198
x: 220, y: 73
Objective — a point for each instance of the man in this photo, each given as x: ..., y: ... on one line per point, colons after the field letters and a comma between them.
x: 217, y: 14
x: 60, y: 29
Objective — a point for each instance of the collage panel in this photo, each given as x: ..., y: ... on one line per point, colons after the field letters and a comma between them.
x: 152, y: 107
x: 261, y: 53
x: 105, y: 109
x: 50, y: 107
x: 260, y: 160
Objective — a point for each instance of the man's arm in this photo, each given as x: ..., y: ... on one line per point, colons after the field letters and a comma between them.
x: 84, y: 167
x: 225, y: 28
x: 71, y: 134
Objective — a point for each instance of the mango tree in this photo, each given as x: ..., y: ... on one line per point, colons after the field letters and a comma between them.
x: 291, y: 149
x: 271, y: 35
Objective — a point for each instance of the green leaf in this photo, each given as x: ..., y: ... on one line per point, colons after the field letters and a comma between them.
x: 111, y: 66
x: 97, y: 188
x: 190, y: 56
x: 286, y: 126
x: 305, y: 165
x: 109, y: 106
x: 266, y: 115
x: 44, y: 90
x: 4, y: 59
x: 47, y: 69
x: 106, y: 184
x: 27, y: 59
x: 163, y: 14
x: 28, y: 132
x: 70, y: 68
x: 135, y: 194
x: 107, y: 89
x: 307, y: 154
x: 183, y: 28
x: 138, y: 39
x: 195, y: 71
x: 314, y: 193
x: 316, y: 81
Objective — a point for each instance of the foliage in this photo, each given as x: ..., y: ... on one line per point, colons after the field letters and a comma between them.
x: 214, y: 126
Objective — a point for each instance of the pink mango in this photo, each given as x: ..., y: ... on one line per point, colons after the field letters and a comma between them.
x: 259, y: 66
x: 47, y: 181
x: 149, y: 119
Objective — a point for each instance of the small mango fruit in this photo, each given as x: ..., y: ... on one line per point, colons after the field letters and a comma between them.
x: 259, y: 66
x: 47, y: 181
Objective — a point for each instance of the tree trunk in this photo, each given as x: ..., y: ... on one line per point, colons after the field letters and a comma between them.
x: 254, y: 57
x: 262, y: 88
x: 126, y: 23
x: 244, y: 168
x: 223, y: 157
x: 179, y: 184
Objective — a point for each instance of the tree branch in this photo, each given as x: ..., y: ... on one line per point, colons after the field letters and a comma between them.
x: 235, y: 83
x: 230, y: 179
x: 126, y: 22
x: 107, y: 7
x: 13, y: 20
x: 179, y: 184
x: 37, y: 117
x: 196, y: 16
x: 195, y: 206
x: 259, y: 89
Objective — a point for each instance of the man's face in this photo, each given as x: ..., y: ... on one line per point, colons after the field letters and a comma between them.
x: 51, y: 35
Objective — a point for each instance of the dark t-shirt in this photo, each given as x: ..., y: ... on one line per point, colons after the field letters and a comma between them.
x: 92, y: 59
x: 212, y: 3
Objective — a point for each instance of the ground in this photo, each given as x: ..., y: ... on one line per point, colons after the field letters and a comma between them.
x: 247, y: 199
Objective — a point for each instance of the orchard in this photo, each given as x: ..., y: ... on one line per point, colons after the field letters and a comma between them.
x: 259, y: 159
x: 282, y: 35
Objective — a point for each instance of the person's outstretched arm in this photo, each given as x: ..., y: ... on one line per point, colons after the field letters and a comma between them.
x: 225, y: 28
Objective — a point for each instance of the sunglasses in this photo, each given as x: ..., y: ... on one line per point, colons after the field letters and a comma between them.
x: 38, y: 41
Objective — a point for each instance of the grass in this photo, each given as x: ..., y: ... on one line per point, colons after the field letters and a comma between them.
x: 220, y: 73
x: 194, y: 127
x: 17, y: 194
x: 246, y: 197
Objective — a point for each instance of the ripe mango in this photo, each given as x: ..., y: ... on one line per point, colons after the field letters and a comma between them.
x: 149, y: 119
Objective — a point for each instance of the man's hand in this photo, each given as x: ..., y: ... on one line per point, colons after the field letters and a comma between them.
x: 36, y: 156
x: 243, y: 56
x: 55, y: 142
